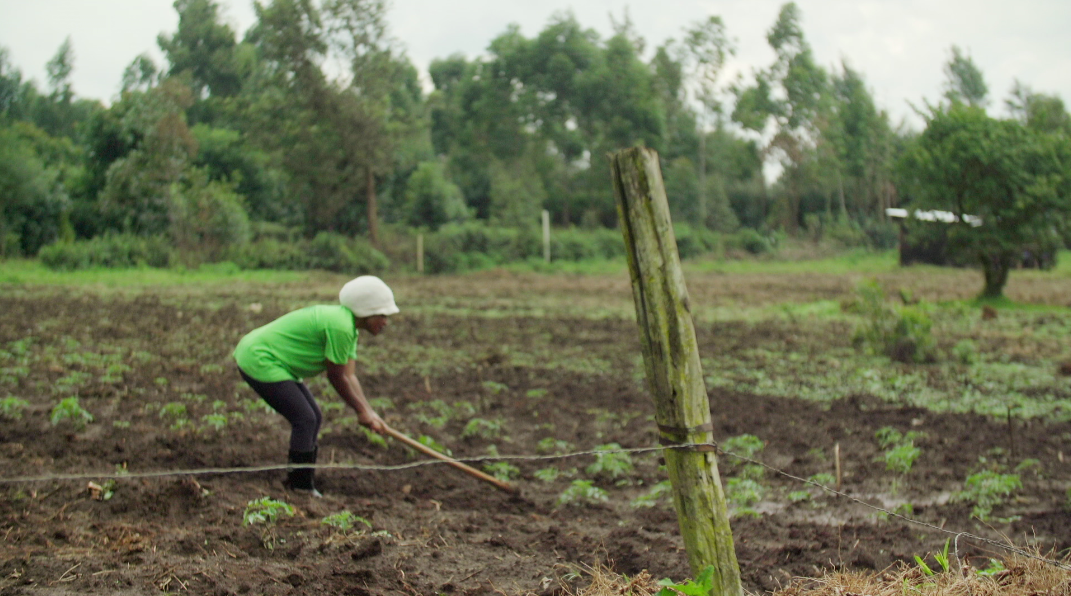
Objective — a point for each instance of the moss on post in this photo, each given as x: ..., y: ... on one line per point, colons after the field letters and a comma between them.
x: 671, y: 360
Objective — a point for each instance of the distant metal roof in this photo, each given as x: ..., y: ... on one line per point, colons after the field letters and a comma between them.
x: 939, y: 216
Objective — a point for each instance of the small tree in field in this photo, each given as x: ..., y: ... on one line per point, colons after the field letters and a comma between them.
x: 1018, y: 181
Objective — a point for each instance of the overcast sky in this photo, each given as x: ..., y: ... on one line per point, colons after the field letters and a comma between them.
x: 900, y: 46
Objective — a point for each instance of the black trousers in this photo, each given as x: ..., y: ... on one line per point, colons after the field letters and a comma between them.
x: 294, y: 401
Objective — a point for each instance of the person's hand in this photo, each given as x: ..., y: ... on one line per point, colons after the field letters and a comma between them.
x: 373, y: 422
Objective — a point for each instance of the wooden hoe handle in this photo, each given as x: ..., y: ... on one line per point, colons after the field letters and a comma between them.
x: 453, y: 462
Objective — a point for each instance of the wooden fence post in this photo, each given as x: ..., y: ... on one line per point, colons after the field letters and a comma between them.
x: 671, y: 360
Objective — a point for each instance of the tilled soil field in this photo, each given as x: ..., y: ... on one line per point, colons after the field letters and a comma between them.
x: 153, y: 370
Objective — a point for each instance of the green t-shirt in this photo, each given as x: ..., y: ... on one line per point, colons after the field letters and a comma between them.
x: 296, y: 345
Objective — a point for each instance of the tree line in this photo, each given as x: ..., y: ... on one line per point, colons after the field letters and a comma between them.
x: 315, y: 125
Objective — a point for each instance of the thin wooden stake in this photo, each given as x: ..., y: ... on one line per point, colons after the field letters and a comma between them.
x: 546, y: 235
x: 671, y: 359
x: 836, y: 463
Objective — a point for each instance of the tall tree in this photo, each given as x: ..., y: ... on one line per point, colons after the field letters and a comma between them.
x: 1016, y: 181
x: 706, y: 46
x: 1038, y: 111
x: 964, y: 80
x: 204, y: 48
x: 791, y: 95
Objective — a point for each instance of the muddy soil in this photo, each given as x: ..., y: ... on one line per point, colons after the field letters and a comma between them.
x: 434, y: 530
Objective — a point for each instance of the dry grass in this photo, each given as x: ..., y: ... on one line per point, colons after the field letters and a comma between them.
x: 1022, y: 576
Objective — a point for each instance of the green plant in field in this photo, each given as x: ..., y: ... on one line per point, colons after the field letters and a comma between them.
x: 609, y: 462
x: 333, y: 406
x: 495, y: 387
x: 176, y: 413
x: 900, y: 451
x: 437, y: 413
x: 427, y: 441
x: 888, y: 436
x: 194, y: 397
x: 1029, y: 465
x: 752, y: 472
x: 535, y: 393
x: 265, y: 510
x: 345, y: 521
x: 992, y: 569
x: 504, y: 471
x: 902, y: 333
x: 743, y: 493
x: 702, y: 586
x: 552, y: 445
x: 373, y: 437
x: 551, y: 474
x: 825, y: 479
x: 899, y: 459
x: 658, y: 494
x: 987, y: 489
x: 11, y: 407
x: 798, y: 496
x: 744, y: 445
x: 161, y: 381
x: 69, y: 409
x: 941, y: 558
x: 120, y: 423
x: 381, y: 403
x: 965, y: 352
x: 582, y: 492
x: 216, y: 421
x: 484, y: 429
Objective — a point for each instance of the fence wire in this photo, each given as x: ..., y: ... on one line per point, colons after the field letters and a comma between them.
x: 559, y: 456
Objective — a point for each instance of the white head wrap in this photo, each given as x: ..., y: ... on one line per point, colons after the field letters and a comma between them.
x: 366, y: 296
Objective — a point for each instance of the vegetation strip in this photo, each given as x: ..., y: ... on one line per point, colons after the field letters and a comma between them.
x: 597, y: 452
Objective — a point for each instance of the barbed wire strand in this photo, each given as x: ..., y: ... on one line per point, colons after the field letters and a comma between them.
x: 122, y: 474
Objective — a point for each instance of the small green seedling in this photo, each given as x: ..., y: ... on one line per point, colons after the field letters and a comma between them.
x: 702, y: 586
x: 610, y: 462
x: 11, y: 407
x: 986, y: 490
x: 484, y: 429
x: 582, y: 492
x: 216, y: 421
x: 427, y: 441
x: 503, y: 471
x: 798, y: 496
x: 743, y: 493
x: 745, y: 445
x: 265, y: 510
x: 552, y: 445
x: 899, y: 459
x: 345, y: 521
x: 653, y: 497
x: 69, y: 409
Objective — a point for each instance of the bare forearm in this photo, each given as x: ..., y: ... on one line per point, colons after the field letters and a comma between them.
x: 344, y: 380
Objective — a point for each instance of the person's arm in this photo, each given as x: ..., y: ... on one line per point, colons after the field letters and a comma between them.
x: 343, y: 378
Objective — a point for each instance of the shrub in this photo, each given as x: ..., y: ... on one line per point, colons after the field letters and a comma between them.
x: 328, y: 251
x: 108, y: 251
x: 750, y: 240
x: 902, y: 333
x: 695, y: 241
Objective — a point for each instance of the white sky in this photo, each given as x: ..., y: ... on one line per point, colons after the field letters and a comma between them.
x: 900, y: 46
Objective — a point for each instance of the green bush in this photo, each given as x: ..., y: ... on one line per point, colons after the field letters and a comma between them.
x: 328, y: 251
x: 108, y: 251
x: 750, y: 240
x: 695, y: 241
x: 902, y: 333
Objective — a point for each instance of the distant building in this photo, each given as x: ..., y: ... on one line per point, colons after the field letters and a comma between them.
x: 927, y: 241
